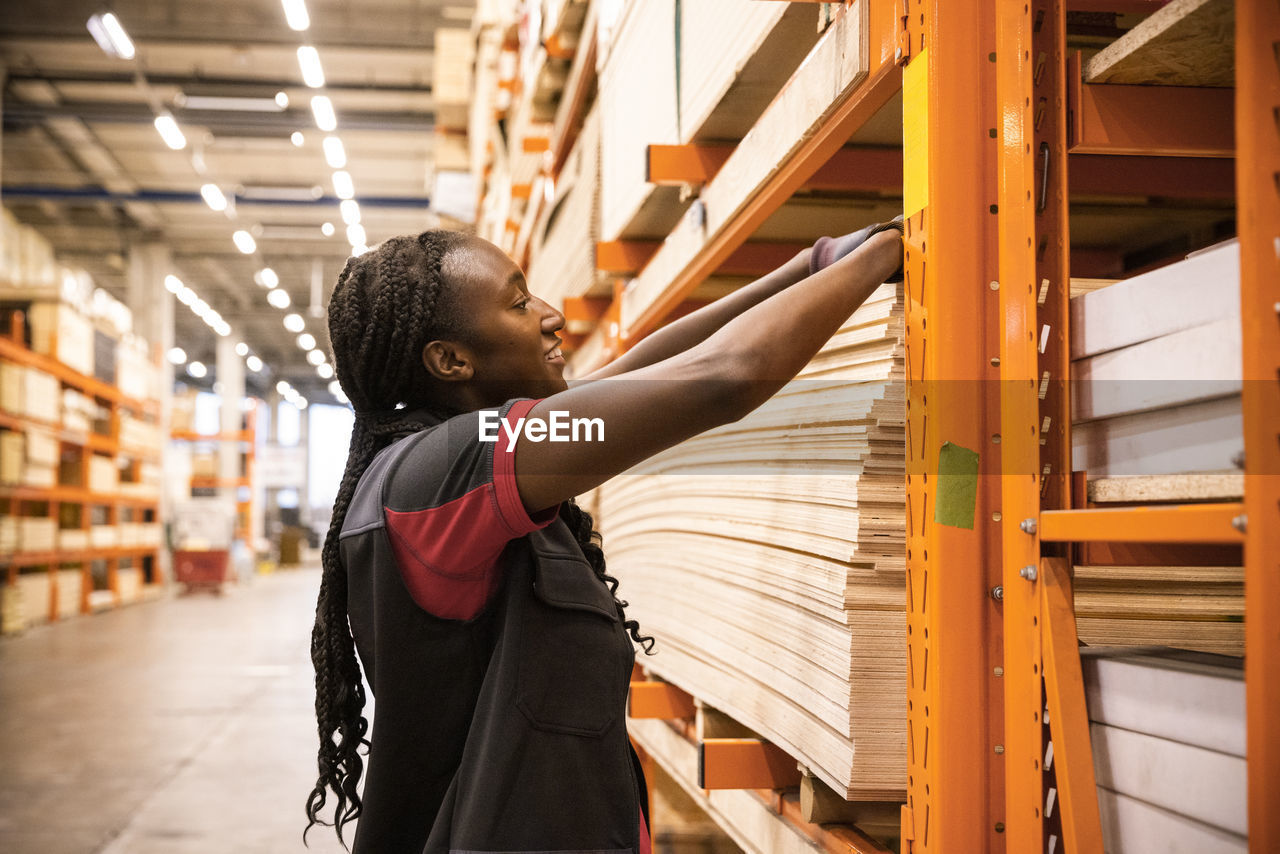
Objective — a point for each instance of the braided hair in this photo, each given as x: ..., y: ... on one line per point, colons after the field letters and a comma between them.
x: 388, y: 304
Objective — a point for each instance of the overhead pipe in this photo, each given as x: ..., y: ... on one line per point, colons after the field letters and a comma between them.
x: 173, y: 197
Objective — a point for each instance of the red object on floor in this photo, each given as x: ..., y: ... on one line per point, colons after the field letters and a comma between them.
x: 201, y: 569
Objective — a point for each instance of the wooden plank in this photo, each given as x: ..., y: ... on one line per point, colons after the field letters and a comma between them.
x: 1197, y: 437
x: 1201, y: 784
x: 1203, y: 288
x: 1131, y: 826
x: 1201, y: 363
x: 1186, y: 43
x: 1149, y: 489
x: 831, y: 71
x: 1192, y: 698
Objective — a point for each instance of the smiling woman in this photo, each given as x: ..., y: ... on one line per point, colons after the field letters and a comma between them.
x: 458, y: 570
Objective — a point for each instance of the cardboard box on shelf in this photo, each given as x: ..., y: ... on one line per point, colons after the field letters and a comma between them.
x: 41, y: 395
x: 70, y: 587
x: 12, y: 457
x: 61, y: 331
x: 104, y: 476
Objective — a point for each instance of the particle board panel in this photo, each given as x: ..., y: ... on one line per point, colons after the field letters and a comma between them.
x: 1204, y: 785
x: 1185, y: 43
x: 836, y: 64
x: 1203, y: 288
x: 1156, y: 489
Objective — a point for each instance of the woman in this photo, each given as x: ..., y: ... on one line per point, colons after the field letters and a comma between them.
x: 457, y: 563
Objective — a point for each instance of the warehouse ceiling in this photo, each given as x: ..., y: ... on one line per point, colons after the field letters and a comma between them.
x: 84, y: 164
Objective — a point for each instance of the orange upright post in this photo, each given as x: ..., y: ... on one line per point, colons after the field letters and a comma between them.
x: 955, y: 776
x: 1258, y: 209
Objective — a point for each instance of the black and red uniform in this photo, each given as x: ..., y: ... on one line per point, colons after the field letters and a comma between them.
x: 496, y: 657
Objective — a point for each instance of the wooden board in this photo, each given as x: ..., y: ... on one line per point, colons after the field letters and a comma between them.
x: 1187, y: 697
x: 1199, y: 290
x: 1199, y: 437
x: 1196, y: 364
x: 1131, y: 826
x: 1186, y: 43
x: 1203, y: 785
x: 1155, y: 489
x: 734, y: 57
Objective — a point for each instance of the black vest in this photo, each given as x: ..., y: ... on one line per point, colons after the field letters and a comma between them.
x: 505, y: 733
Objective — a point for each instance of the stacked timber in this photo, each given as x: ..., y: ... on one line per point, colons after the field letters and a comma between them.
x: 1168, y: 735
x: 1156, y: 370
x: 563, y: 252
x: 767, y: 558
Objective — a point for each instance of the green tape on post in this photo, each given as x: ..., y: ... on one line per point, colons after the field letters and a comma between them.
x: 957, y: 486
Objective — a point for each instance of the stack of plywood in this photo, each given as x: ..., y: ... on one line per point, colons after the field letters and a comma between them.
x: 563, y: 254
x: 710, y: 70
x: 1156, y: 369
x: 767, y: 558
x: 1168, y: 734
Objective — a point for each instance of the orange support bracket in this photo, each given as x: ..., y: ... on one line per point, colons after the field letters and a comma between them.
x: 1168, y: 121
x: 675, y: 165
x: 521, y: 191
x: 745, y: 763
x: 659, y: 700
x: 581, y: 313
x: 1178, y: 523
x: 1068, y: 717
x: 535, y: 144
x: 624, y: 256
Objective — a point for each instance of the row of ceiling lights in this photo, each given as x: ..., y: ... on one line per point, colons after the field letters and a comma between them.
x: 112, y: 37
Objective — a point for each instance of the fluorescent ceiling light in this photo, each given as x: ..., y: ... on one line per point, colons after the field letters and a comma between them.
x: 335, y: 388
x: 295, y: 12
x: 231, y: 103
x: 278, y: 297
x: 316, y: 357
x: 197, y: 370
x: 244, y: 242
x: 309, y: 63
x: 357, y: 251
x: 242, y: 349
x: 253, y: 363
x: 324, y: 370
x: 282, y: 387
x: 350, y: 211
x: 200, y: 307
x: 297, y: 138
x: 327, y: 229
x: 342, y: 184
x: 109, y: 33
x: 186, y: 296
x: 334, y: 154
x: 176, y: 355
x: 222, y: 328
x: 282, y: 100
x: 170, y: 132
x: 300, y: 402
x: 307, y: 341
x: 172, y: 283
x: 356, y: 235
x: 267, y: 277
x: 213, y: 197
x: 294, y: 322
x: 322, y: 109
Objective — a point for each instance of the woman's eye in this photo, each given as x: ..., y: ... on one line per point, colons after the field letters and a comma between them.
x: 524, y: 303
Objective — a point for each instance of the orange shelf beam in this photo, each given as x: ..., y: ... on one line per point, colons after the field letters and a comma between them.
x: 849, y: 170
x: 659, y: 700
x: 1179, y: 523
x: 745, y: 763
x: 676, y: 165
x: 41, y: 558
x: 625, y: 256
x: 1163, y: 121
x: 72, y: 495
x: 91, y: 386
x: 192, y: 436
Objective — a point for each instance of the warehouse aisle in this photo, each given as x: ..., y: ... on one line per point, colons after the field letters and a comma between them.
x: 182, y: 726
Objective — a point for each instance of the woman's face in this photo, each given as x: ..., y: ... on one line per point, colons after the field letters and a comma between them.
x: 511, y: 334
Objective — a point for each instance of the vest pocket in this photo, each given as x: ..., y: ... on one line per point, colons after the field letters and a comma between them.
x: 571, y: 677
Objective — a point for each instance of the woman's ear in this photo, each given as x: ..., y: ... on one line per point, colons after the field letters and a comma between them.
x: 447, y: 361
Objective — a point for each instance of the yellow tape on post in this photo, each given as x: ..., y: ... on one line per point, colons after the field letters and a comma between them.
x: 915, y: 134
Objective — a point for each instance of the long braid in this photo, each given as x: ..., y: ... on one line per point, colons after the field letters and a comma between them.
x: 388, y: 304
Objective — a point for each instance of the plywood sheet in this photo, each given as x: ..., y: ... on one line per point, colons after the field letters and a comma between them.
x: 1185, y: 43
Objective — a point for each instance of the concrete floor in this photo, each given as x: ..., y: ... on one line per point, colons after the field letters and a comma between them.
x: 183, y: 726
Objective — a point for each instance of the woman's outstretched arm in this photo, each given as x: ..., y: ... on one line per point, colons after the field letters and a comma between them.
x: 731, y: 372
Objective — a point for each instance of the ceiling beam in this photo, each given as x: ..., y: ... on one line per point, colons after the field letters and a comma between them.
x: 285, y: 121
x: 231, y: 84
